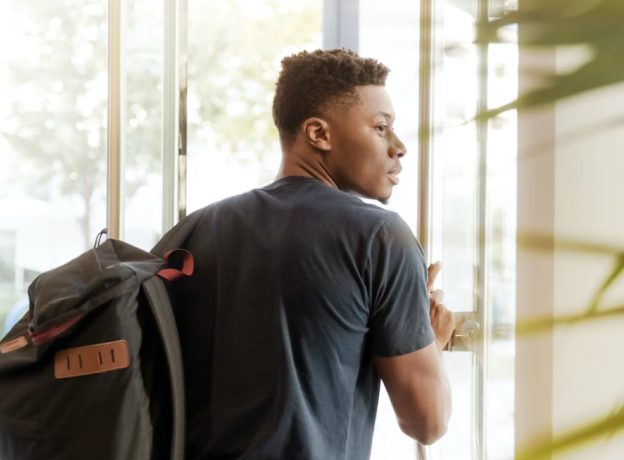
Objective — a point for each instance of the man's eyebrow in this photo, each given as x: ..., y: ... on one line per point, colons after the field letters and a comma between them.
x: 389, y: 116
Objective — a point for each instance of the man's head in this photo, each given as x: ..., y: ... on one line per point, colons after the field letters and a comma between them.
x: 310, y: 83
x: 335, y: 119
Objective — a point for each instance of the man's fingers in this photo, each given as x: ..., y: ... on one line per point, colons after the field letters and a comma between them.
x: 437, y: 296
x: 433, y: 271
x: 442, y: 320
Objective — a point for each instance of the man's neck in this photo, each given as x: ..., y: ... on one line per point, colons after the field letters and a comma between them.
x: 306, y: 165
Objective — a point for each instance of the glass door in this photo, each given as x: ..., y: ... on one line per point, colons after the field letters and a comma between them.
x: 456, y: 213
x: 473, y: 226
x: 469, y: 183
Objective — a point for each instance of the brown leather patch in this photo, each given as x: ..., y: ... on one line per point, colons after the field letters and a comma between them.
x: 91, y: 359
x: 13, y: 344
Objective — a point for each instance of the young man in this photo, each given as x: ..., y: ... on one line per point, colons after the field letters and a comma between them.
x: 304, y: 296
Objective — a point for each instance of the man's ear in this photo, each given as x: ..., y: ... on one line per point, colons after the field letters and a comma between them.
x: 316, y: 132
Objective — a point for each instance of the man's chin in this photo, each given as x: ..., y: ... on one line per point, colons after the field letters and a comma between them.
x: 384, y: 199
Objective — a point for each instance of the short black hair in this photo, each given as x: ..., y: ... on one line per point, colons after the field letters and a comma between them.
x: 310, y: 81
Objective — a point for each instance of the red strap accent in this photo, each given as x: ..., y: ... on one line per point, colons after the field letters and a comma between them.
x: 188, y: 266
x: 39, y: 338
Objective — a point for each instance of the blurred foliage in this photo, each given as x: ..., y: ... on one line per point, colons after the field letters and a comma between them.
x: 594, y: 25
x: 595, y: 309
x: 546, y: 448
x: 58, y: 102
x: 233, y: 68
x: 58, y: 98
x: 593, y: 28
x: 59, y: 83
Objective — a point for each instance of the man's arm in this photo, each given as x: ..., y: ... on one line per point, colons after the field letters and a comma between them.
x: 416, y: 382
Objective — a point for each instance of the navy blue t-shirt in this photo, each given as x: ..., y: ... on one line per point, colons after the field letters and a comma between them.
x: 297, y: 285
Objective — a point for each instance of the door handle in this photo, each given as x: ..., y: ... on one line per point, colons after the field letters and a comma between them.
x: 466, y: 332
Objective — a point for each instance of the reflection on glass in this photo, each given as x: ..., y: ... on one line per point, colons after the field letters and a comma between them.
x: 234, y: 53
x: 53, y: 81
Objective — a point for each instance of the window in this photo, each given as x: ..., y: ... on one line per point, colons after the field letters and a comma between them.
x: 53, y: 153
x: 232, y: 143
x: 53, y: 74
x: 143, y: 189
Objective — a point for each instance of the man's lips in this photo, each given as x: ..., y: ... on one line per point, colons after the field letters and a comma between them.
x: 393, y: 174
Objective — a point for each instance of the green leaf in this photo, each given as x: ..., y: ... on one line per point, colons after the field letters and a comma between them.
x: 547, y: 323
x: 603, y: 70
x: 554, y: 23
x: 618, y: 269
x: 548, y: 242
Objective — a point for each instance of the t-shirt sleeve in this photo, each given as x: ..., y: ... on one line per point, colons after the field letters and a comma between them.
x: 399, y: 318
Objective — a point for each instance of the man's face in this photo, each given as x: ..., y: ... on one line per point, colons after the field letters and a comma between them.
x: 365, y: 152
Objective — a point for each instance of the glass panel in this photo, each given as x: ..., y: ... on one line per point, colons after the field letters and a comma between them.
x: 455, y: 206
x: 143, y: 135
x: 455, y: 152
x: 53, y: 81
x: 234, y: 50
x: 501, y: 261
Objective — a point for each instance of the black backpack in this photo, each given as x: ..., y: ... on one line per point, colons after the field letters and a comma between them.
x: 94, y: 369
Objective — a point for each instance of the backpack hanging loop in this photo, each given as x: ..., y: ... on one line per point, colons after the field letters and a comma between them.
x: 99, y: 239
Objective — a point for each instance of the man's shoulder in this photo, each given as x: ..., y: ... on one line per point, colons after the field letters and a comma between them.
x: 304, y: 196
x: 312, y: 193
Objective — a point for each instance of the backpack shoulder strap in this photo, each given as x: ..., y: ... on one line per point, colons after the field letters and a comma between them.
x: 158, y: 300
x: 156, y: 294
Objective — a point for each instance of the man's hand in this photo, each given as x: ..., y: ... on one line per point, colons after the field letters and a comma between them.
x: 432, y: 274
x: 442, y: 320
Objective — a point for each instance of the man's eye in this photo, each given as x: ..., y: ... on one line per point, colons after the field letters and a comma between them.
x: 382, y: 129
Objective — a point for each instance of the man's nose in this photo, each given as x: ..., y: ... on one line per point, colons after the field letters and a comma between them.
x: 397, y: 148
